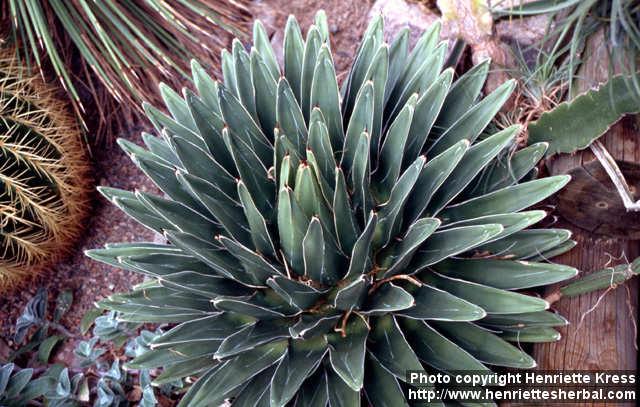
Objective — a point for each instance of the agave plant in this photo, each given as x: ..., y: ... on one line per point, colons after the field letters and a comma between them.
x: 324, y: 242
x: 44, y: 177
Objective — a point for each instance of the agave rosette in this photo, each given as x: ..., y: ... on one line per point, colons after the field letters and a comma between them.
x: 322, y: 242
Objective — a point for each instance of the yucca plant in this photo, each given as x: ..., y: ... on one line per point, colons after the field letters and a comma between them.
x: 322, y: 243
x: 123, y: 46
x: 44, y: 175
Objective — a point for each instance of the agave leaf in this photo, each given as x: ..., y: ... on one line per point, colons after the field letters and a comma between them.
x: 177, y: 107
x: 299, y: 362
x: 228, y: 72
x: 346, y: 354
x: 244, y: 79
x: 212, y: 327
x: 197, y: 162
x: 573, y: 125
x: 255, y: 177
x: 361, y: 64
x: 508, y: 171
x: 449, y: 242
x: 161, y: 122
x: 243, y: 128
x: 293, y: 56
x: 262, y: 44
x: 433, y: 175
x: 210, y: 127
x: 511, y: 222
x: 390, y: 160
x: 398, y: 53
x: 509, y: 199
x: 257, y: 223
x: 181, y: 217
x: 259, y: 306
x: 138, y: 211
x: 360, y: 255
x: 250, y: 337
x: 320, y: 151
x: 238, y: 370
x: 319, y: 264
x: 256, y: 392
x: 256, y: 265
x: 388, y: 298
x: 390, y: 212
x: 340, y: 393
x: 381, y: 387
x: 527, y: 243
x: 531, y: 335
x: 361, y: 121
x: 360, y: 176
x: 476, y: 158
x: 325, y: 95
x: 160, y: 148
x: 309, y: 326
x: 556, y: 251
x: 427, y: 108
x: 214, y: 256
x: 344, y: 222
x: 471, y: 123
x: 420, y: 82
x: 462, y: 96
x: 311, y: 50
x: 314, y: 391
x: 485, y: 346
x: 207, y: 88
x: 536, y: 7
x: 225, y: 210
x: 391, y: 349
x: 157, y: 358
x: 377, y: 73
x: 351, y: 295
x: 266, y: 92
x: 289, y: 117
x: 295, y: 293
x: 416, y: 235
x: 432, y: 303
x: 492, y: 300
x: 420, y: 53
x: 311, y: 200
x: 505, y: 274
x: 438, y: 351
x: 292, y: 226
x: 179, y: 370
x: 203, y: 284
x: 525, y: 320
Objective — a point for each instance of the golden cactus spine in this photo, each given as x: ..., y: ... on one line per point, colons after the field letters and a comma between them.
x: 44, y: 175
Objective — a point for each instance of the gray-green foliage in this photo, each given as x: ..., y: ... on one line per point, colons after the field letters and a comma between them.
x: 316, y: 232
x: 574, y: 125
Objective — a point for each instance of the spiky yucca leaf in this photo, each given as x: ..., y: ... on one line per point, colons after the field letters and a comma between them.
x: 44, y: 176
x: 323, y: 242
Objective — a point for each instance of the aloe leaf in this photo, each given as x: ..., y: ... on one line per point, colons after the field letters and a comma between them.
x: 573, y: 125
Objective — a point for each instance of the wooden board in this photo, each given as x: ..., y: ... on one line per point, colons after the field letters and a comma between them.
x: 604, y: 339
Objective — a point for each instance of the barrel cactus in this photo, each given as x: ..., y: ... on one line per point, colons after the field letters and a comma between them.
x: 322, y: 242
x: 44, y: 182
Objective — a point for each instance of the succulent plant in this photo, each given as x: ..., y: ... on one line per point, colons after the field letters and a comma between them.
x: 44, y: 183
x: 324, y: 242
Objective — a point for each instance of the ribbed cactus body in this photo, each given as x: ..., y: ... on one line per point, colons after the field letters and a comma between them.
x: 43, y: 175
